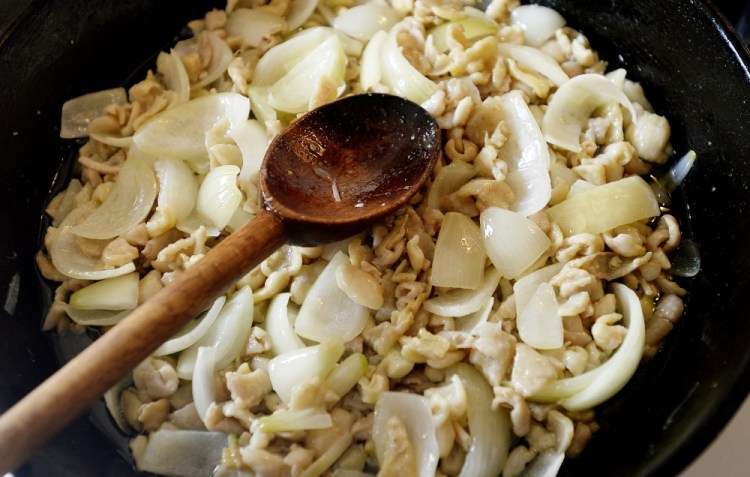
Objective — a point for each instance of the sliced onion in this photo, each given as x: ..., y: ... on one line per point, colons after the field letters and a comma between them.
x: 346, y: 374
x: 459, y: 253
x: 459, y: 302
x: 535, y: 60
x: 69, y: 260
x: 280, y: 325
x: 178, y: 188
x: 474, y: 26
x: 293, y: 91
x: 363, y: 21
x: 180, y: 132
x: 77, y: 113
x: 540, y: 324
x: 175, y: 76
x: 119, y: 293
x: 370, y: 69
x: 539, y: 23
x: 299, y: 12
x: 526, y: 153
x: 573, y: 104
x: 398, y: 74
x: 127, y: 204
x: 192, y: 331
x: 414, y: 412
x: 490, y: 428
x: 96, y: 317
x: 114, y: 140
x: 219, y: 196
x: 580, y: 186
x: 203, y: 387
x: 289, y: 369
x: 253, y: 25
x: 605, y: 207
x: 262, y: 109
x: 183, y: 453
x: 285, y: 420
x: 66, y: 204
x: 221, y: 55
x: 112, y: 401
x: 596, y: 386
x: 250, y: 136
x: 334, y: 451
x: 470, y: 322
x: 679, y: 171
x: 449, y: 180
x: 513, y: 242
x: 277, y: 61
x: 327, y: 311
x: 525, y: 287
x: 228, y: 335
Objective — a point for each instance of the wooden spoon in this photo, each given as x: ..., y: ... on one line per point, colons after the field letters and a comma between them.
x: 329, y: 175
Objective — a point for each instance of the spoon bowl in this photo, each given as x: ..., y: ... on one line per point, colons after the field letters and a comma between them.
x: 366, y: 150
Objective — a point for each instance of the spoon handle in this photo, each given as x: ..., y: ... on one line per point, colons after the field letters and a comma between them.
x: 71, y: 390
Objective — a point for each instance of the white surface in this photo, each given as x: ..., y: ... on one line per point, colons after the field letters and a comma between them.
x: 729, y: 454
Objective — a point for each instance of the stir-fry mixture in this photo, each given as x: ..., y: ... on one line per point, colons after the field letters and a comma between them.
x: 471, y: 333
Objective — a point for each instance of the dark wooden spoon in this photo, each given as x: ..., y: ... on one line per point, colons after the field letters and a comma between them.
x: 329, y: 175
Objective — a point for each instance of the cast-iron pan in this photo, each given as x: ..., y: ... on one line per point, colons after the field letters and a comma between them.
x: 693, y: 68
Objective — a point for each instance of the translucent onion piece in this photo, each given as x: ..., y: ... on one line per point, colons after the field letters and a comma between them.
x: 398, y: 74
x: 414, y: 412
x: 66, y: 204
x: 96, y: 317
x: 459, y: 302
x: 474, y: 26
x: 175, y: 76
x: 596, y: 386
x: 579, y: 186
x: 127, y: 204
x: 459, y: 253
x: 540, y: 324
x: 470, y: 322
x: 448, y: 180
x: 512, y: 241
x: 298, y: 13
x: 69, y: 260
x: 535, y: 60
x: 285, y: 420
x: 327, y: 62
x: 114, y: 140
x: 221, y: 56
x: 334, y: 451
x: 490, y: 428
x: 78, y: 112
x: 525, y: 287
x: 526, y: 153
x: 112, y: 402
x: 277, y: 61
x: 573, y: 104
x: 118, y: 293
x: 250, y: 136
x: 262, y: 110
x: 363, y: 21
x: 180, y: 132
x: 219, y: 196
x: 228, y: 335
x: 280, y: 326
x: 289, y: 369
x: 679, y: 171
x: 370, y: 71
x: 328, y: 312
x: 605, y: 207
x: 183, y: 453
x: 203, y: 385
x: 178, y: 188
x: 192, y: 331
x: 539, y: 23
x: 346, y: 374
x: 253, y: 25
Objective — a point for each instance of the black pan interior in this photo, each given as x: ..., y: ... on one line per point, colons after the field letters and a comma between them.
x: 693, y: 71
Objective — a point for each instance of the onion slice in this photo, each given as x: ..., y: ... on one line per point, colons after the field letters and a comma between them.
x: 184, y: 453
x: 536, y: 60
x: 127, y: 204
x: 364, y: 21
x: 539, y: 23
x: 540, y: 324
x: 605, y: 207
x: 175, y: 76
x: 573, y: 104
x: 490, y: 428
x: 459, y: 253
x: 219, y: 196
x: 448, y: 180
x: 458, y: 302
x: 118, y: 293
x: 280, y: 325
x: 203, y: 380
x: 398, y: 74
x: 370, y: 69
x: 596, y: 386
x: 289, y: 369
x: 254, y: 25
x: 512, y: 241
x: 77, y: 113
x: 192, y: 331
x: 327, y: 311
x: 96, y: 317
x: 284, y: 420
x: 178, y: 188
x: 414, y: 412
x: 221, y: 55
